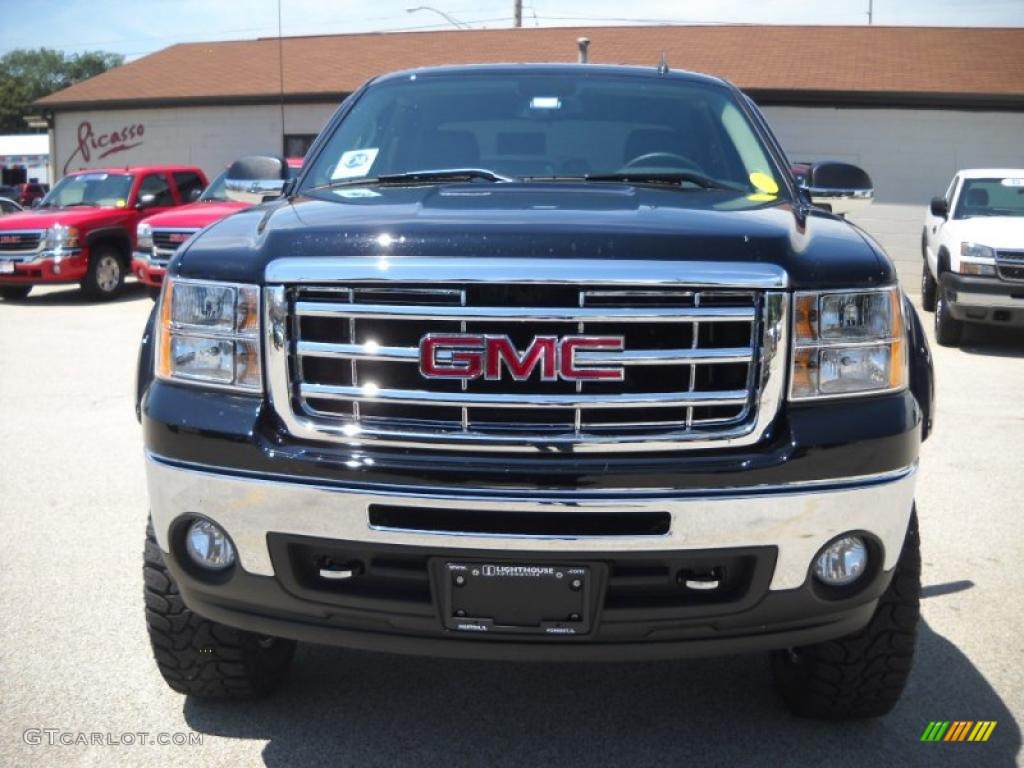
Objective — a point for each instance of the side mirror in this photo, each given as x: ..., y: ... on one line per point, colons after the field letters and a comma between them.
x: 194, y: 195
x: 256, y: 179
x: 939, y: 207
x: 146, y: 201
x: 838, y: 187
x: 37, y: 202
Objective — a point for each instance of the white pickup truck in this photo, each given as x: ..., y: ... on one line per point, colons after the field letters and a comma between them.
x: 973, y: 248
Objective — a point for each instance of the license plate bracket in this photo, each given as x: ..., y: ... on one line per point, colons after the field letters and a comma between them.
x: 484, y: 598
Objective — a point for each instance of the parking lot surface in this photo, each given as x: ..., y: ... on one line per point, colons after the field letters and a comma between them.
x: 74, y: 654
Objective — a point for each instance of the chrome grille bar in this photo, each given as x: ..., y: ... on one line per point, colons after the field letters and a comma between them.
x: 458, y: 399
x: 628, y: 357
x: 523, y: 315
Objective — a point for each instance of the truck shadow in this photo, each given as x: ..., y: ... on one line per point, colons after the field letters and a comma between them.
x: 364, y: 709
x: 72, y: 296
x: 993, y: 342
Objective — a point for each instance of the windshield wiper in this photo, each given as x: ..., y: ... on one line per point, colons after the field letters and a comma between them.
x: 76, y: 205
x: 416, y: 177
x: 672, y: 178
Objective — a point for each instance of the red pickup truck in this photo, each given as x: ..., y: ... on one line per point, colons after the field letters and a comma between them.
x: 158, y: 237
x: 84, y: 229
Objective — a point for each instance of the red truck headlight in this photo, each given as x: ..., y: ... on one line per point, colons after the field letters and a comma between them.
x: 209, y: 335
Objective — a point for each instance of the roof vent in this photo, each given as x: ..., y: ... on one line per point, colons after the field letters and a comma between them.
x: 582, y: 44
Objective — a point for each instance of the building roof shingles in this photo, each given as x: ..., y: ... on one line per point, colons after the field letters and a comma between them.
x: 927, y: 62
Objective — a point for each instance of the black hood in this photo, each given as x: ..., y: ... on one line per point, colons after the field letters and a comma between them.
x: 549, y: 220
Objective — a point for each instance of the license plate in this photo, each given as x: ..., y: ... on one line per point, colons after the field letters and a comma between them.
x: 517, y: 598
x: 6, y: 267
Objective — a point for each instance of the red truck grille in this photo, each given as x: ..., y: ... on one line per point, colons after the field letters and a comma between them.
x: 20, y: 242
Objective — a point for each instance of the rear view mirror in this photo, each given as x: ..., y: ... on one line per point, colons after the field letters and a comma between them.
x: 194, y: 194
x: 146, y: 201
x: 939, y: 207
x: 838, y: 187
x: 37, y: 202
x: 255, y: 179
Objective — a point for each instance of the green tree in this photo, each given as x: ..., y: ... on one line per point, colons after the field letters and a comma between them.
x: 27, y: 75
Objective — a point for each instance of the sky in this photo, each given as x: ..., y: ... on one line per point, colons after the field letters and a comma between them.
x: 144, y: 26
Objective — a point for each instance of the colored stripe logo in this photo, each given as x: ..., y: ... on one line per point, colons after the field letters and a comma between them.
x: 958, y: 730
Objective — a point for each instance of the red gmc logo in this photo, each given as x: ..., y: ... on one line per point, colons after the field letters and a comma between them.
x: 474, y: 356
x: 177, y: 237
x: 9, y: 239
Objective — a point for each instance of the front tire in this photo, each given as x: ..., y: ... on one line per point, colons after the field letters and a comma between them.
x: 929, y: 288
x: 14, y: 292
x: 200, y: 657
x: 861, y: 675
x: 105, y: 277
x: 948, y: 330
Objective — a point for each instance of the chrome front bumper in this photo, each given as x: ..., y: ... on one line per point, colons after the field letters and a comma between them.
x: 797, y: 519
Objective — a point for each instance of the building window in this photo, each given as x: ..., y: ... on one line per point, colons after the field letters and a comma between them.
x: 297, y: 144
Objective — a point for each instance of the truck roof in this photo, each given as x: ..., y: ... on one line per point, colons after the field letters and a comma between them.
x: 136, y: 169
x: 580, y: 70
x: 985, y: 173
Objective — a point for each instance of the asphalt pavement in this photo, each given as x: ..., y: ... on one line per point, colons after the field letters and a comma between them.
x: 74, y: 657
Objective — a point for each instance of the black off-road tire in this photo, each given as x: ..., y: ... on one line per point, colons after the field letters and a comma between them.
x: 105, y: 279
x: 10, y: 292
x: 200, y: 657
x: 929, y: 288
x: 948, y: 330
x: 861, y: 675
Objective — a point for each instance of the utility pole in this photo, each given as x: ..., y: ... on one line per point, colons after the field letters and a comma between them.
x: 871, y: 11
x: 517, y: 14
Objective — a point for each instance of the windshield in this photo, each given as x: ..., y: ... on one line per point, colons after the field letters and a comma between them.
x: 538, y: 125
x: 98, y: 189
x: 991, y: 197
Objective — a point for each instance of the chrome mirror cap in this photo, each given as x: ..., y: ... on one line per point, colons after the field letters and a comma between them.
x: 839, y: 187
x: 256, y: 178
x: 841, y: 201
x: 252, y: 191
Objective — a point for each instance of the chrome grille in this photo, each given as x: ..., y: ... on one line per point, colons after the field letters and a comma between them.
x: 166, y: 242
x: 696, y: 363
x: 21, y: 242
x: 1010, y: 265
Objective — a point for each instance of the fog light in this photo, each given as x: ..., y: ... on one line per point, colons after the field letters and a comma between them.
x: 841, y: 561
x: 209, y: 546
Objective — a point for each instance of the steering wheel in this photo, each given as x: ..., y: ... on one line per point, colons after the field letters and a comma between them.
x: 654, y: 158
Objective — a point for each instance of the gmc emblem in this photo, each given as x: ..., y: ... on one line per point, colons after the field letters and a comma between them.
x: 177, y: 237
x: 474, y: 356
x: 9, y: 239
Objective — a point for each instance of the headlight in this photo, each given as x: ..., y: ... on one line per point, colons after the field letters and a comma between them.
x: 847, y: 343
x: 209, y: 334
x: 144, y: 237
x: 977, y: 260
x: 60, y: 236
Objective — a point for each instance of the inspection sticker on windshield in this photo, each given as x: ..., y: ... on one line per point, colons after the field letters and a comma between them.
x: 1012, y: 182
x: 355, y: 163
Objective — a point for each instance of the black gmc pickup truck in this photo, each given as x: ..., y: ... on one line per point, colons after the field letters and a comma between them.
x: 538, y: 362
